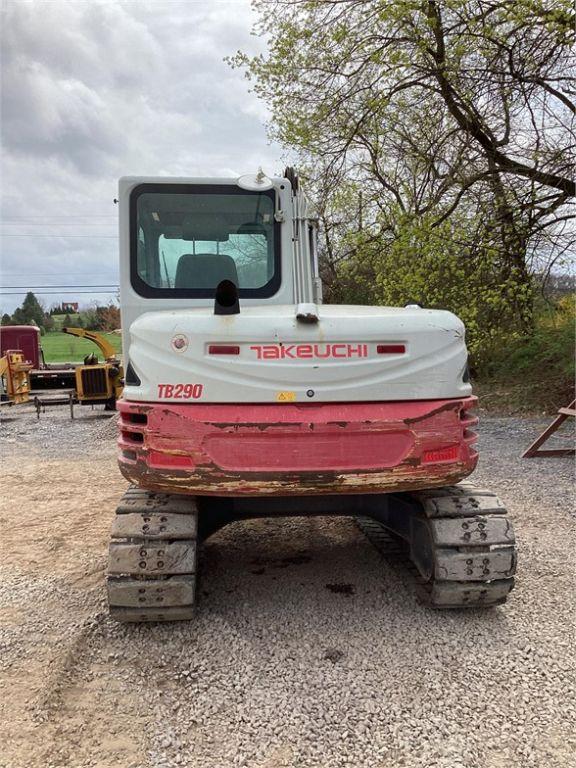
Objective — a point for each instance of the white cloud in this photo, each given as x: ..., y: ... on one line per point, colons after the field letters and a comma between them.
x: 95, y: 90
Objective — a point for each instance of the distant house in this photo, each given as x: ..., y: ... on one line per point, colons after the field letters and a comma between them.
x: 70, y: 306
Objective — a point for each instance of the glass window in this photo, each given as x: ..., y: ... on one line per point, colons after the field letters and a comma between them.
x: 186, y: 239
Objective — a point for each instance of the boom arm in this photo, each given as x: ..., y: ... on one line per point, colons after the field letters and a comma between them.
x: 103, y: 345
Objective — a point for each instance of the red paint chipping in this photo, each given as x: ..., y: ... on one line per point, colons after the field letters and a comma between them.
x: 297, y: 449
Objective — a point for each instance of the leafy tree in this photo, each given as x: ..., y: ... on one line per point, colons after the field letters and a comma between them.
x: 6, y: 319
x: 89, y: 319
x: 427, y: 119
x: 101, y: 318
x: 67, y: 321
x: 107, y: 318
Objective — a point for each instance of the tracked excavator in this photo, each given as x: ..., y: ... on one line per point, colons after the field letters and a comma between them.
x: 247, y: 397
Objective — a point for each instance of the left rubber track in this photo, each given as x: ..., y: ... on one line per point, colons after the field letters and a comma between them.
x: 153, y: 557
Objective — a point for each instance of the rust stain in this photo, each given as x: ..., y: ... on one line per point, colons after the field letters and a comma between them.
x: 456, y: 406
x: 212, y: 481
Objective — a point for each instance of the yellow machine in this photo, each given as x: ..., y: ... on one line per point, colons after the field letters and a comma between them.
x: 15, y: 371
x: 98, y: 382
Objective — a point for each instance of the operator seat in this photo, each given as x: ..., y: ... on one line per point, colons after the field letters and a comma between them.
x: 204, y: 270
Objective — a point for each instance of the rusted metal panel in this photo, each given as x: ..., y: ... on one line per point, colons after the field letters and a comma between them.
x: 293, y: 449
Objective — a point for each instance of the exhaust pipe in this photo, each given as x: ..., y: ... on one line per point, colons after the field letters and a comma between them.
x: 226, y: 298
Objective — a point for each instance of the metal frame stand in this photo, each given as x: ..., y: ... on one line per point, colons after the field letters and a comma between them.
x: 40, y: 403
x: 534, y: 449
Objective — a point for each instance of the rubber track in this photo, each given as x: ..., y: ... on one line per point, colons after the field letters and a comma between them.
x: 473, y: 548
x: 153, y: 555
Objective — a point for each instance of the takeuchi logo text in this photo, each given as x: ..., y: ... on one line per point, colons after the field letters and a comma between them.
x: 309, y: 351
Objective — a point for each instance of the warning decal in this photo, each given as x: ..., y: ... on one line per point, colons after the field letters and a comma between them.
x: 286, y: 397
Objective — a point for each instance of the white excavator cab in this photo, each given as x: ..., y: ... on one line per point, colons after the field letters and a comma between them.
x: 181, y: 237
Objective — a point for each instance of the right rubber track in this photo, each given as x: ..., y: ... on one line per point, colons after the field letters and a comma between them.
x: 152, y: 564
x: 470, y: 545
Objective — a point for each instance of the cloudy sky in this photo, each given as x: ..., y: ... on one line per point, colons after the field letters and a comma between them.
x: 97, y: 89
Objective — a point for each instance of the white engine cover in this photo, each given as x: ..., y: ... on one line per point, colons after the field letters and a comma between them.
x: 282, y: 359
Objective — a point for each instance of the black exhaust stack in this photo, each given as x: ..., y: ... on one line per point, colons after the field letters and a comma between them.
x: 226, y: 299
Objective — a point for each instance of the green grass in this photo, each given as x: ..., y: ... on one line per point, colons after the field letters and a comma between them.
x: 61, y: 348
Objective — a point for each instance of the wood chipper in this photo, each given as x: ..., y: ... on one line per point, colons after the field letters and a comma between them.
x: 245, y: 396
x: 97, y: 382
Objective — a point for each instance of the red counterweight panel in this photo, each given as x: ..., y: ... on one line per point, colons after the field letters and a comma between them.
x: 290, y: 449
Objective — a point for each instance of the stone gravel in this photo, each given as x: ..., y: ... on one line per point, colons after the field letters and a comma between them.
x: 282, y: 670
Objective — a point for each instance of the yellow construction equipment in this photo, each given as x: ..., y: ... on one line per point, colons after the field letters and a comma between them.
x: 15, y: 372
x: 98, y: 382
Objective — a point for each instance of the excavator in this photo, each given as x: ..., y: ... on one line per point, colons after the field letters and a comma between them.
x: 245, y: 396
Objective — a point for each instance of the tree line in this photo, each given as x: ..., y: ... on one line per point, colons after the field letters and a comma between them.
x: 95, y: 318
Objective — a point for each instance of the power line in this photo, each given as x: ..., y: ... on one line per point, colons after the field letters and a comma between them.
x: 33, y: 287
x: 50, y: 223
x: 55, y: 293
x: 50, y: 274
x: 32, y: 234
x: 63, y: 216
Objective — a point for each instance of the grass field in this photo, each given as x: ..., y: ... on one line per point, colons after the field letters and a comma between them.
x: 61, y: 348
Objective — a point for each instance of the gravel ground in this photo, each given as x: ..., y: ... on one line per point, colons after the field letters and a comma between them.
x: 277, y: 671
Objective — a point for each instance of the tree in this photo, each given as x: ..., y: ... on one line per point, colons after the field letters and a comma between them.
x: 18, y: 317
x: 67, y: 321
x: 498, y: 75
x: 101, y: 318
x: 107, y: 318
x: 6, y: 319
x: 89, y: 319
x: 433, y: 112
x: 33, y: 310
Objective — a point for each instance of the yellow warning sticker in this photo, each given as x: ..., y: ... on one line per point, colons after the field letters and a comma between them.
x: 286, y: 397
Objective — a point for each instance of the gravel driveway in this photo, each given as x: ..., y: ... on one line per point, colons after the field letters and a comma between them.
x: 278, y: 670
